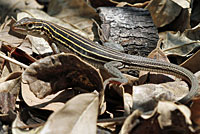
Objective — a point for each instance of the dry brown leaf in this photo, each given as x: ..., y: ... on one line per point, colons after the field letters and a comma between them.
x: 192, y: 63
x: 195, y: 15
x: 54, y: 73
x: 128, y: 103
x: 195, y: 110
x: 18, y: 123
x: 79, y: 115
x: 146, y: 126
x: 193, y: 33
x: 9, y: 90
x: 10, y: 76
x: 164, y: 12
x: 182, y: 3
x: 178, y: 44
x: 127, y: 93
x: 130, y: 122
x: 175, y: 116
x: 168, y: 117
x: 39, y: 45
x: 9, y: 68
x: 122, y: 93
x: 145, y: 97
x: 158, y: 54
x: 51, y: 102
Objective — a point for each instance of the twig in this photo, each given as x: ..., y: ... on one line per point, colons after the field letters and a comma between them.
x: 13, y: 61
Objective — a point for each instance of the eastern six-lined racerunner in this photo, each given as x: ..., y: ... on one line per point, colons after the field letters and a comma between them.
x: 100, y: 56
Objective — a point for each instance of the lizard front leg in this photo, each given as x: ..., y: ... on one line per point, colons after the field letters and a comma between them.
x: 113, y: 68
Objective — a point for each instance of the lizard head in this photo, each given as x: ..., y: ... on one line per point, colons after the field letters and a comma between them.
x: 30, y: 26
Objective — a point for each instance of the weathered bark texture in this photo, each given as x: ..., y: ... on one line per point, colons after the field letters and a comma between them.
x: 133, y: 28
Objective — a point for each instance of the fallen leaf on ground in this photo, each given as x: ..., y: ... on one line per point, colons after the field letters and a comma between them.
x: 57, y: 72
x: 176, y: 116
x: 171, y: 13
x: 178, y: 44
x: 146, y: 97
x: 192, y: 63
x: 51, y: 102
x: 79, y: 116
x: 9, y: 90
x: 130, y: 122
x: 168, y: 117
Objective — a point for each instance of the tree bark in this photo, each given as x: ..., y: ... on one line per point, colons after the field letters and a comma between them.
x: 133, y: 28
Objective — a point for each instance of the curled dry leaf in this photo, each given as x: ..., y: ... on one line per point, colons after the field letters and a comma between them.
x: 173, y: 12
x: 196, y: 105
x: 182, y: 3
x: 193, y: 33
x: 78, y: 116
x: 168, y: 117
x: 130, y: 122
x: 173, y: 115
x: 192, y: 63
x: 51, y: 102
x: 18, y: 123
x: 54, y: 73
x: 9, y: 90
x: 145, y: 97
x: 128, y: 102
x: 195, y: 111
x: 195, y: 14
x: 163, y: 11
x: 178, y: 44
x: 127, y: 93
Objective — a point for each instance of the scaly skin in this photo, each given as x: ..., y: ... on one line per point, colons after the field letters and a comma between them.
x: 99, y: 55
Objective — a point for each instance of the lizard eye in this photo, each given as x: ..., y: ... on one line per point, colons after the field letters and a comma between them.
x: 30, y: 26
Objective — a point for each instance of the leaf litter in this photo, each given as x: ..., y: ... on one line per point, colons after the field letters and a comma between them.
x: 73, y: 90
